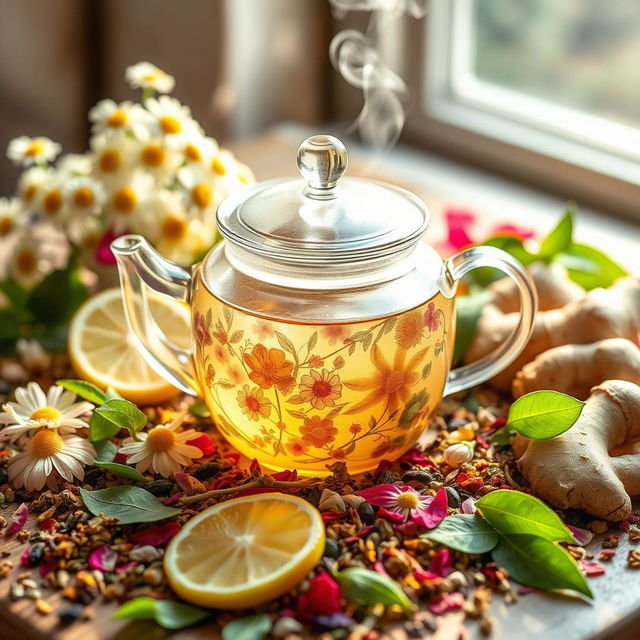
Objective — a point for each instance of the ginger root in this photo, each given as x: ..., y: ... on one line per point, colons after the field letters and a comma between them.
x: 575, y: 469
x: 600, y: 314
x: 554, y: 287
x: 575, y: 368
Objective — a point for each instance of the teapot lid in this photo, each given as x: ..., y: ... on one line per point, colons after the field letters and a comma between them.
x: 323, y: 218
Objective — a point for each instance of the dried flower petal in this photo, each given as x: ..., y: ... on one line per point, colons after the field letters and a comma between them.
x: 592, y: 568
x: 448, y: 602
x: 18, y: 521
x: 156, y: 536
x: 441, y: 563
x: 434, y: 514
x: 322, y: 598
x: 582, y: 536
x: 189, y: 484
x: 204, y: 443
x: 103, y: 559
x: 415, y: 456
x: 468, y: 506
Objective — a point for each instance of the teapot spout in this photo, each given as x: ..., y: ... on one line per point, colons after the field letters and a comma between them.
x: 145, y: 275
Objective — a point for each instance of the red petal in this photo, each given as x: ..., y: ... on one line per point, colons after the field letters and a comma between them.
x: 448, y: 602
x: 156, y: 536
x: 592, y: 568
x: 103, y: 254
x: 441, y: 563
x: 458, y: 222
x: 50, y: 525
x: 254, y: 468
x: 390, y: 515
x: 285, y: 475
x: 19, y: 520
x: 434, y: 514
x: 204, y: 443
x: 415, y: 456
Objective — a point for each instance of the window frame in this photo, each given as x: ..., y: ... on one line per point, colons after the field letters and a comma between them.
x: 500, y: 130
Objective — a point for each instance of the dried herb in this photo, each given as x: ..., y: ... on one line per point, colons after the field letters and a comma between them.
x: 368, y: 587
x: 254, y: 627
x: 127, y: 503
x: 167, y: 613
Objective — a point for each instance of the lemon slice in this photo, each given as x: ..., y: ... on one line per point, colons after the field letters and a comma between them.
x: 245, y: 551
x: 102, y: 350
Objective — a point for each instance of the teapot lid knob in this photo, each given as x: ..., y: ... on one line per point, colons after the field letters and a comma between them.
x: 322, y: 161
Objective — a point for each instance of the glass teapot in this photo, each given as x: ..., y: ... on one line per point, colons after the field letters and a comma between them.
x: 322, y: 326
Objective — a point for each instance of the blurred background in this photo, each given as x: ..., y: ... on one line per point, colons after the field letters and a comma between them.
x: 538, y: 91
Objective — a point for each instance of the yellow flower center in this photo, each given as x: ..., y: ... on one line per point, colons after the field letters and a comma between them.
x: 6, y: 225
x: 218, y: 166
x: 160, y: 439
x: 29, y: 192
x: 109, y: 161
x: 26, y: 261
x: 153, y: 155
x: 50, y: 414
x: 169, y: 124
x: 201, y: 195
x: 173, y: 228
x: 45, y: 443
x: 124, y: 200
x: 407, y: 500
x: 34, y: 149
x: 83, y: 197
x: 149, y: 77
x: 52, y: 202
x: 117, y: 119
x: 192, y: 152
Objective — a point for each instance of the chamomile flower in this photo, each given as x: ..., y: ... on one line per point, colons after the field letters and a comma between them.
x: 31, y: 182
x: 174, y: 235
x: 145, y: 75
x: 84, y: 195
x: 126, y: 201
x: 113, y: 158
x: 199, y: 149
x: 26, y: 151
x: 85, y: 231
x: 171, y: 121
x: 12, y: 215
x: 115, y: 119
x: 200, y: 194
x: 26, y: 263
x: 160, y: 161
x: 51, y: 203
x: 33, y: 409
x: 163, y: 449
x: 46, y: 452
x: 74, y: 164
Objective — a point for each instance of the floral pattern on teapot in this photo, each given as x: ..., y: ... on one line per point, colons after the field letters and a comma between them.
x: 308, y: 395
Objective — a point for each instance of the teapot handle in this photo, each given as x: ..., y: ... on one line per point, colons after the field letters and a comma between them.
x: 143, y: 271
x: 477, y: 372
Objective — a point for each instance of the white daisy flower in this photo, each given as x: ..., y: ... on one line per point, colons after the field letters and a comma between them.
x: 159, y: 160
x: 113, y: 158
x: 12, y: 215
x: 32, y: 355
x: 84, y: 195
x: 200, y: 191
x: 199, y: 149
x: 171, y: 120
x: 126, y: 201
x: 32, y: 409
x: 28, y: 262
x: 168, y: 226
x: 74, y: 164
x: 145, y: 75
x: 26, y: 151
x: 86, y: 231
x: 115, y: 119
x: 51, y: 204
x: 31, y: 182
x: 244, y: 174
x: 46, y: 452
x: 163, y: 449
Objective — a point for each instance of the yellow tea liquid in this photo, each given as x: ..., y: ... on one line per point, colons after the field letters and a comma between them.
x: 301, y: 396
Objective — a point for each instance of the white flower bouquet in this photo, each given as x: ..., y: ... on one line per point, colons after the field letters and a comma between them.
x: 150, y: 169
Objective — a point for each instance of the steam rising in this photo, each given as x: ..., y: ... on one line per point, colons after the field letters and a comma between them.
x: 356, y: 58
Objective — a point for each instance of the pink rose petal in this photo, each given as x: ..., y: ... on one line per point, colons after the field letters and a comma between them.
x: 394, y: 516
x: 468, y: 506
x: 378, y: 567
x: 592, y: 568
x: 103, y: 253
x: 204, y: 443
x: 18, y: 521
x: 441, y: 563
x: 103, y: 559
x: 415, y: 456
x: 582, y: 536
x: 448, y: 602
x: 126, y: 565
x: 434, y: 514
x: 458, y: 222
x: 420, y: 574
x: 156, y: 536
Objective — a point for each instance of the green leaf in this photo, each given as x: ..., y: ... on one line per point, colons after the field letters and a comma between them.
x: 511, y: 512
x: 167, y: 613
x: 367, y: 587
x: 111, y: 393
x: 200, y: 410
x: 559, y: 239
x: 11, y: 320
x: 466, y: 533
x: 539, y: 563
x: 541, y: 415
x: 122, y: 470
x: 468, y: 310
x: 114, y: 415
x: 84, y: 389
x: 254, y: 627
x: 513, y: 245
x: 15, y: 293
x: 501, y: 436
x: 589, y: 267
x: 55, y: 299
x: 105, y: 450
x: 127, y: 503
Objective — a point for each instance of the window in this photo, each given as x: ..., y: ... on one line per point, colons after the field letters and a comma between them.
x: 543, y: 89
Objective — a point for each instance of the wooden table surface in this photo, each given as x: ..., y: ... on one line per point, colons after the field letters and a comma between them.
x: 614, y: 613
